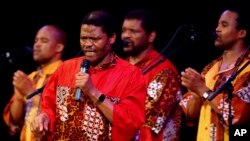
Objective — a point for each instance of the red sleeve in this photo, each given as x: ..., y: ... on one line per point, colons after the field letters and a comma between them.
x: 48, y: 101
x: 129, y: 113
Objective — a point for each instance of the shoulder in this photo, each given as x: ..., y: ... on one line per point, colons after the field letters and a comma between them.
x: 126, y: 69
x: 168, y: 64
x: 123, y: 64
x: 73, y: 61
x: 210, y: 65
x: 163, y: 63
x: 70, y: 64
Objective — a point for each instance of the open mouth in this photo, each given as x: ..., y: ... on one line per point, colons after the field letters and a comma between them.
x: 89, y: 53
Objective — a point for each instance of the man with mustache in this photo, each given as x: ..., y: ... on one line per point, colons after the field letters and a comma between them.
x: 163, y: 113
x: 212, y: 115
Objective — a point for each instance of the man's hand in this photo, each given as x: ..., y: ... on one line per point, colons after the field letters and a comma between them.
x: 22, y: 83
x: 40, y: 126
x: 192, y: 80
x: 83, y: 81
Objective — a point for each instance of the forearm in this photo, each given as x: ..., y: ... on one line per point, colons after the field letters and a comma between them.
x: 107, y: 109
x: 194, y: 106
x: 106, y: 106
x: 17, y: 110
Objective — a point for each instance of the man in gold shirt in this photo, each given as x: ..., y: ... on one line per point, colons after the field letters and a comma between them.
x: 213, y: 116
x: 48, y: 48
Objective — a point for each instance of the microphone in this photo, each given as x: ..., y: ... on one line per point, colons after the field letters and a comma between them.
x: 12, y: 55
x: 37, y: 91
x: 125, y: 43
x: 197, y: 34
x: 8, y: 54
x: 84, y: 68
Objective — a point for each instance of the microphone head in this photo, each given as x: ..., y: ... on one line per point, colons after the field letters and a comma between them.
x: 85, y: 64
x: 196, y: 33
x: 28, y: 49
x: 125, y: 43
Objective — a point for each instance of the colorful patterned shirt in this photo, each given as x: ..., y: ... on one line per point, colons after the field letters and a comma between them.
x: 163, y: 114
x: 215, y: 126
x: 119, y: 81
x: 39, y: 77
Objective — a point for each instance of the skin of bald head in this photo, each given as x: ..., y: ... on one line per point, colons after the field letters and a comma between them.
x: 49, y: 44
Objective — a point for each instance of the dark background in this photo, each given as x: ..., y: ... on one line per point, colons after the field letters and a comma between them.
x: 20, y: 21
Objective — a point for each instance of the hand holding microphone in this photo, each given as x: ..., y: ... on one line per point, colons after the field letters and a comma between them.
x: 83, y: 68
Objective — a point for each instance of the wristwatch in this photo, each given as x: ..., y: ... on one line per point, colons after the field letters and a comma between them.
x: 100, y: 99
x: 206, y: 94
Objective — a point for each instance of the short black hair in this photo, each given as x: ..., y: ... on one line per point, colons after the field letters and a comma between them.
x: 144, y: 15
x: 243, y: 20
x: 102, y: 19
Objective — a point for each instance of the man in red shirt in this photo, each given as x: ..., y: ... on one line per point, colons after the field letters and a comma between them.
x: 163, y: 114
x: 112, y: 103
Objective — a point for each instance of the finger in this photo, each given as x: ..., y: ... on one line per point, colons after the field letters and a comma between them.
x: 184, y: 76
x: 18, y: 74
x: 31, y: 127
x: 40, y: 124
x: 194, y: 71
x: 183, y: 73
x: 34, y: 127
x: 46, y: 124
x: 79, y: 74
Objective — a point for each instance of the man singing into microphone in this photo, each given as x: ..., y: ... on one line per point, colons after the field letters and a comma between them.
x: 48, y: 48
x: 112, y: 103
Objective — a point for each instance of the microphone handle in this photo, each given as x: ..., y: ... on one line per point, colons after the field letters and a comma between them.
x: 78, y: 94
x: 78, y: 90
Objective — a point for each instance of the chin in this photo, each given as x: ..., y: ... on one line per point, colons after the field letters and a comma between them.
x: 35, y: 58
x: 128, y: 50
x: 91, y: 58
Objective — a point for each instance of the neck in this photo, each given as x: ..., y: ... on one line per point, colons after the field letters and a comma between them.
x: 52, y: 60
x: 107, y: 59
x: 230, y: 56
x: 234, y: 53
x: 135, y: 59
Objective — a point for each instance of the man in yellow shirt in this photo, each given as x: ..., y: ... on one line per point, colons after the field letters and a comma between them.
x: 212, y: 115
x: 48, y: 48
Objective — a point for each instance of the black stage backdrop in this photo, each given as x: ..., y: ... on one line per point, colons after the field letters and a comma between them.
x: 187, y: 47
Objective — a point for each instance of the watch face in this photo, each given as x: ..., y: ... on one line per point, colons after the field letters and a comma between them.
x: 102, y: 98
x: 205, y: 95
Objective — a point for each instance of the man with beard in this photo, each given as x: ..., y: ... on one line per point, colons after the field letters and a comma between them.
x: 163, y: 114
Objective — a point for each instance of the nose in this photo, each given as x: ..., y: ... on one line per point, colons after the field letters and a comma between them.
x: 125, y: 34
x: 88, y: 42
x: 37, y: 44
